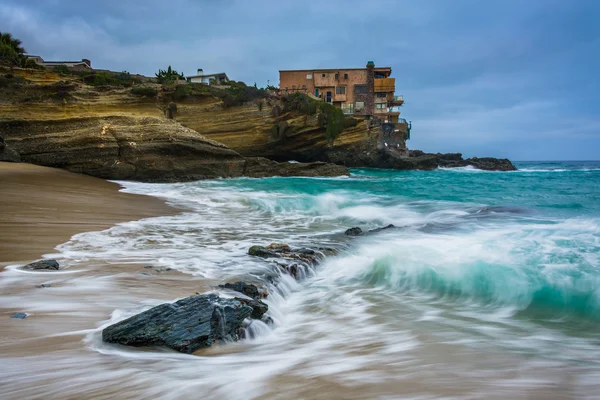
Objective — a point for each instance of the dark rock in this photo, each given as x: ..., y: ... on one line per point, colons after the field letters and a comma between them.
x: 353, y: 231
x: 43, y: 264
x: 390, y: 226
x: 258, y: 307
x: 148, y: 267
x: 309, y: 252
x: 186, y: 325
x: 261, y: 251
x: 7, y: 153
x: 44, y: 285
x: 248, y: 289
x: 268, y: 320
x: 258, y: 167
x: 145, y: 273
x: 20, y: 315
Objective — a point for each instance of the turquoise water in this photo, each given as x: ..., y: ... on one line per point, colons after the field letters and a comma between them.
x: 487, y: 287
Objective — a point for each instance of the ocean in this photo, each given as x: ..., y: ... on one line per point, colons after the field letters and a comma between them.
x: 488, y: 286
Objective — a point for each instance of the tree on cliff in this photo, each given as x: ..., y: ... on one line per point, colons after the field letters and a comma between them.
x: 168, y: 75
x: 11, y: 50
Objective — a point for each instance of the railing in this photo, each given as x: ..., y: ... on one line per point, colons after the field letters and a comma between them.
x: 348, y: 109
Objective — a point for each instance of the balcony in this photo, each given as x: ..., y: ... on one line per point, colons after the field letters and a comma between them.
x: 395, y: 101
x: 385, y: 85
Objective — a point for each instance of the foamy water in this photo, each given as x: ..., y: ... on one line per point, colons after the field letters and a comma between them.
x: 488, y: 288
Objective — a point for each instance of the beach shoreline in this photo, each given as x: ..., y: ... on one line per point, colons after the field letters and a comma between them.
x: 43, y: 207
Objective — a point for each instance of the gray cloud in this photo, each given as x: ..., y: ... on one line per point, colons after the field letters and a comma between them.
x: 485, y: 78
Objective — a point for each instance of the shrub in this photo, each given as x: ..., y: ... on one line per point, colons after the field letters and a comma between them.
x: 144, y: 91
x: 182, y: 91
x: 61, y: 69
x: 168, y: 76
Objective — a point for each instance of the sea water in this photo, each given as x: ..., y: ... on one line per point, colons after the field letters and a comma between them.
x: 488, y: 286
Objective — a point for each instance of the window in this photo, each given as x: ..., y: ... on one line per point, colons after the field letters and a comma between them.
x: 380, y: 106
x: 337, y: 76
x: 360, y: 89
x: 340, y: 90
x: 381, y: 94
x: 379, y: 75
x: 359, y: 105
x: 323, y: 75
x: 308, y: 76
x: 304, y: 87
x: 293, y: 87
x: 345, y: 76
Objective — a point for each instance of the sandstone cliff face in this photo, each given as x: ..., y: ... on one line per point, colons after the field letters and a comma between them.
x: 112, y: 134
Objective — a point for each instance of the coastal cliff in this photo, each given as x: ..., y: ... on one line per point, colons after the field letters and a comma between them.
x: 108, y: 132
x: 117, y: 132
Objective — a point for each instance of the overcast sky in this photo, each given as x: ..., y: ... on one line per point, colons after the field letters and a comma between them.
x: 517, y: 79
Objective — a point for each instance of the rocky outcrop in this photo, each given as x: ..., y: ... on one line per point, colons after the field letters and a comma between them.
x: 152, y: 149
x: 43, y: 264
x: 186, y: 325
x: 110, y: 132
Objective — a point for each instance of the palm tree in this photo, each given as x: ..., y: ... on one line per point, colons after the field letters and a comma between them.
x: 11, y: 49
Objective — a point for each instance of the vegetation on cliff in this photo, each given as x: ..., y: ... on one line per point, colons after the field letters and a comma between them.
x: 12, y: 52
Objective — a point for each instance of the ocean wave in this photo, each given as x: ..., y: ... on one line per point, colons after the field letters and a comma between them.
x: 548, y: 268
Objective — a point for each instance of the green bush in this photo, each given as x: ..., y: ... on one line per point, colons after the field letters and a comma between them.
x: 182, y: 91
x: 62, y: 70
x: 144, y: 91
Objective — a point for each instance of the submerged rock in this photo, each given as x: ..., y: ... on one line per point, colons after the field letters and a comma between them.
x: 43, y: 264
x: 390, y: 226
x: 353, y: 231
x: 19, y: 315
x: 186, y: 325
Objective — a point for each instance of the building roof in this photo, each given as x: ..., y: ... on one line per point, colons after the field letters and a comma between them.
x: 335, y: 69
x: 65, y: 62
x: 208, y: 75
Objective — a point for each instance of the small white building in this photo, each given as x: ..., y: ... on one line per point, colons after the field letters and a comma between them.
x: 85, y: 63
x: 208, y: 79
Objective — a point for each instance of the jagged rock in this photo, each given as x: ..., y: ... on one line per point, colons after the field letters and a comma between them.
x: 186, y: 325
x: 43, y: 264
x: 248, y: 289
x: 353, y: 231
x: 19, y: 315
x: 258, y: 307
x: 261, y: 251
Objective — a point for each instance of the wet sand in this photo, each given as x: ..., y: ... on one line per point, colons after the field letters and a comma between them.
x: 43, y: 207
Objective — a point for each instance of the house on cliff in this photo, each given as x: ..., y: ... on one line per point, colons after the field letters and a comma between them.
x: 83, y: 64
x: 208, y: 79
x: 367, y: 92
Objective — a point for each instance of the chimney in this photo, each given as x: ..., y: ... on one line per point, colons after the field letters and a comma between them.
x: 200, y: 72
x: 370, y: 98
x: 88, y: 62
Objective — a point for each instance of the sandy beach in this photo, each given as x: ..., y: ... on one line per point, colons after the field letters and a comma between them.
x: 43, y: 207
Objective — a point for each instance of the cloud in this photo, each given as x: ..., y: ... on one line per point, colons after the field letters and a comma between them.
x: 484, y: 78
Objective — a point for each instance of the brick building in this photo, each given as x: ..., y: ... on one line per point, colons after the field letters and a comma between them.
x: 367, y: 92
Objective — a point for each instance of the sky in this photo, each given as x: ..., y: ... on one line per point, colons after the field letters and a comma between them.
x: 516, y: 79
